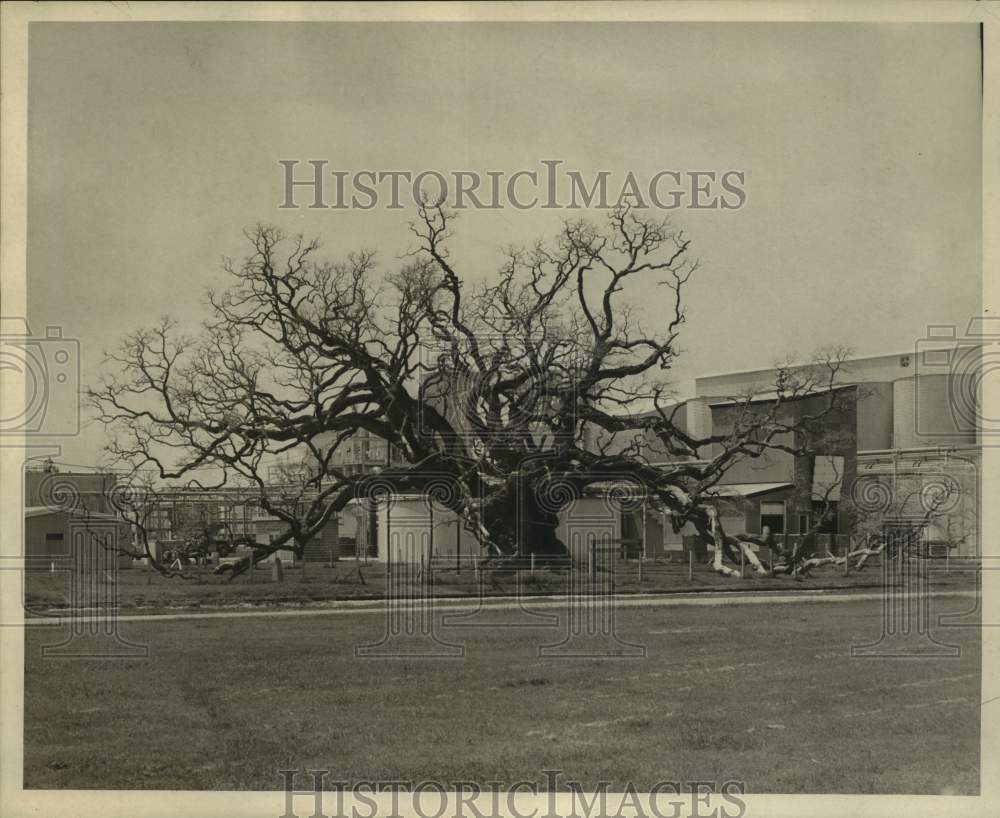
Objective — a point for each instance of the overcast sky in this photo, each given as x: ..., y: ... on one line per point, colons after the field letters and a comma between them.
x: 152, y: 145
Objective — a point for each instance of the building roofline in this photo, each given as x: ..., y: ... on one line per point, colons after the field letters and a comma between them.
x: 44, y: 511
x: 941, y: 450
x: 929, y: 345
x: 772, y: 395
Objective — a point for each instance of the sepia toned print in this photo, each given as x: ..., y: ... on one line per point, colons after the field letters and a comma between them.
x: 425, y: 417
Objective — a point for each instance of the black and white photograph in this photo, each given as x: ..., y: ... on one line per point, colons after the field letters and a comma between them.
x: 559, y: 410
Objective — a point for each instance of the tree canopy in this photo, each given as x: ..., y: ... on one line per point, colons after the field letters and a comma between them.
x: 507, y: 397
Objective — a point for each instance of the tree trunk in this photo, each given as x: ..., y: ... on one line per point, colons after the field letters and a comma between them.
x: 519, y: 525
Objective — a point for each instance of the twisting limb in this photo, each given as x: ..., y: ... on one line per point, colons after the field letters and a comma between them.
x: 497, y: 389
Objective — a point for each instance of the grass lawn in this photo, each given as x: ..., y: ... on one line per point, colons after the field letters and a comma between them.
x: 143, y: 589
x: 768, y: 695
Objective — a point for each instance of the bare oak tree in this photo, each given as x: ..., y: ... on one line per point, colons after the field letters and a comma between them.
x: 494, y: 392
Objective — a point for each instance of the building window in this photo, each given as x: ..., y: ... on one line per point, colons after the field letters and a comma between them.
x: 53, y: 538
x: 772, y: 515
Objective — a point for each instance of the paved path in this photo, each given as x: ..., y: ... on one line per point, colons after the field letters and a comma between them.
x: 378, y: 607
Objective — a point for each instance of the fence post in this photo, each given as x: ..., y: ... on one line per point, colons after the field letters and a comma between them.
x: 532, y: 564
x: 690, y: 564
x: 640, y: 568
x: 742, y: 559
x: 593, y: 559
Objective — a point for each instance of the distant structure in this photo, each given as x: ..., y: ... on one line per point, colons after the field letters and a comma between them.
x: 912, y: 438
x: 905, y: 438
x: 65, y: 508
